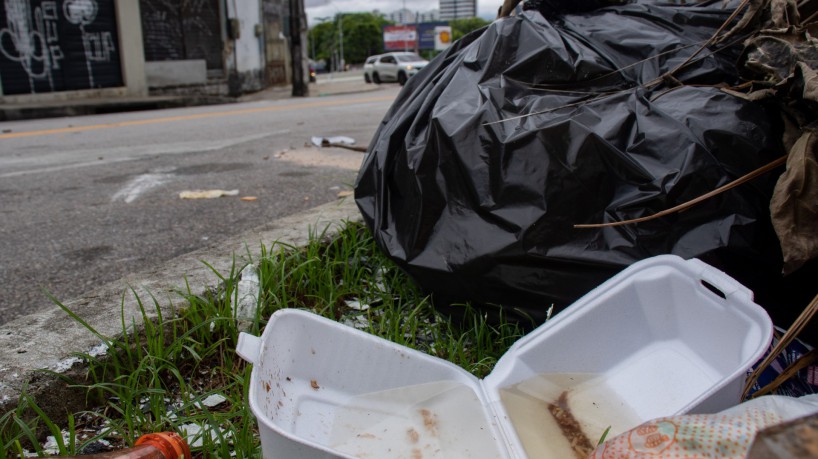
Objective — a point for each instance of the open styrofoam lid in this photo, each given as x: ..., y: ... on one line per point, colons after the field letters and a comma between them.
x: 660, y: 338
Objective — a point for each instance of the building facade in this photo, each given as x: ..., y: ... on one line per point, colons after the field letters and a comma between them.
x: 407, y: 16
x: 69, y: 47
x: 53, y: 50
x: 457, y: 9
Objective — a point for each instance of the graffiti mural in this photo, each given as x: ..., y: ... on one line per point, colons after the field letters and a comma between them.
x: 188, y: 29
x: 58, y: 45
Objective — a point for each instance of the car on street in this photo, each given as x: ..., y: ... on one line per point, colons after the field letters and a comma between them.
x: 395, y: 66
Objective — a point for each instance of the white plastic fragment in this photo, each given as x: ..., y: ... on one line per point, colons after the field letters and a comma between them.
x: 321, y: 141
x: 359, y: 322
x: 194, y: 434
x: 356, y: 305
x: 51, y: 447
x: 213, y: 400
x: 247, y: 294
x: 64, y: 365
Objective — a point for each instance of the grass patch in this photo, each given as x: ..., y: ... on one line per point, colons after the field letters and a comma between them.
x: 181, y: 373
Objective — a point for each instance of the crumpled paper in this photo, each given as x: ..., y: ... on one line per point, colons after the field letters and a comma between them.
x: 728, y: 434
x: 207, y: 194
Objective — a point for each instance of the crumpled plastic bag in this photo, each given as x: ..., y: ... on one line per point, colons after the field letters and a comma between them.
x: 728, y: 434
x: 490, y: 155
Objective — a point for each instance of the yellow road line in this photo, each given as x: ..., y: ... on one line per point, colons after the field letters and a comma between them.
x: 169, y: 119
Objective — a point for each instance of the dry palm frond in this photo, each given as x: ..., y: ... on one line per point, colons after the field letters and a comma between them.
x: 684, y: 206
x: 794, y: 331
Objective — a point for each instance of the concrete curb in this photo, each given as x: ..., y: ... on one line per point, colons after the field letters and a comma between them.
x: 47, y: 340
x: 98, y: 106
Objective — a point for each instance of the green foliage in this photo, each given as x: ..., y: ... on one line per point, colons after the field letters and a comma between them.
x: 362, y: 34
x: 461, y: 27
x: 157, y: 379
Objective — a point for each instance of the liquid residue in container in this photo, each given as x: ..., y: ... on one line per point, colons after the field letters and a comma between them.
x: 442, y: 419
x: 564, y: 415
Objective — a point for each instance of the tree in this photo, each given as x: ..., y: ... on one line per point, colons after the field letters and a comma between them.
x: 362, y: 35
x: 461, y: 27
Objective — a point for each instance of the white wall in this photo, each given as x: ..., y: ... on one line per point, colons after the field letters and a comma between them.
x: 131, y: 49
x: 249, y: 47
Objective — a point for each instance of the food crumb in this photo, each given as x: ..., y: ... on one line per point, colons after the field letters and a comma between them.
x: 429, y: 421
x: 417, y: 454
x: 314, y: 384
x: 413, y: 434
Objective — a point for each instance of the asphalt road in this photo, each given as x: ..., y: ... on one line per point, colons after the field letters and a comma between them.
x: 87, y: 200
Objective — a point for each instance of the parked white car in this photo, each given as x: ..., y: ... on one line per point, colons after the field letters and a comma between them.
x: 397, y: 66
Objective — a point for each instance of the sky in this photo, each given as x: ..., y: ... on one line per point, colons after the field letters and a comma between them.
x: 485, y: 8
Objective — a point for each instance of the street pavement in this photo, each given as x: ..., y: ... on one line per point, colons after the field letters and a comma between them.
x: 48, y: 338
x: 91, y: 199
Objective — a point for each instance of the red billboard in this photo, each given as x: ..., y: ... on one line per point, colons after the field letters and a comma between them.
x: 399, y: 37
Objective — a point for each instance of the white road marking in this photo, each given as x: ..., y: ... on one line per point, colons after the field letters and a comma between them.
x: 139, y: 185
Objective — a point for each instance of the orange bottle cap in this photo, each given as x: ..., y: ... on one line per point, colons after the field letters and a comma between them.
x: 171, y: 444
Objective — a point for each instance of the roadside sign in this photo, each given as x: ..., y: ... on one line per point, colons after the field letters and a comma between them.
x: 443, y: 37
x: 427, y: 34
x: 399, y: 37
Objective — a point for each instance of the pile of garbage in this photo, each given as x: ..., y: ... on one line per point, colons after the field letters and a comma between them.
x: 539, y: 156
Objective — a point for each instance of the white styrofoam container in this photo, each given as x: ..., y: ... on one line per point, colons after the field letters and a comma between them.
x: 664, y: 337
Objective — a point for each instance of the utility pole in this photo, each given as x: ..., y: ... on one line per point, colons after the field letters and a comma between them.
x: 300, y: 88
x: 341, y: 37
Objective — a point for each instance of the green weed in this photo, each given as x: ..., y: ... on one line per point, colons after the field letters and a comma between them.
x: 157, y: 378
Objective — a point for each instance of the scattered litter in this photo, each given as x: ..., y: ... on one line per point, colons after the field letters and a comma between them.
x: 51, y: 446
x: 248, y: 198
x: 214, y: 400
x: 705, y: 435
x: 194, y: 434
x: 359, y: 322
x: 247, y: 297
x: 337, y: 140
x: 345, y: 193
x: 280, y: 154
x: 207, y: 194
x: 356, y: 305
x: 64, y: 365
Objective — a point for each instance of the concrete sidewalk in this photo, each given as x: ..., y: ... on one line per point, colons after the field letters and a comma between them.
x: 102, y: 105
x: 49, y: 339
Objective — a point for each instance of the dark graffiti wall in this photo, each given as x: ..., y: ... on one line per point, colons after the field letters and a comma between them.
x: 58, y: 45
x: 177, y: 30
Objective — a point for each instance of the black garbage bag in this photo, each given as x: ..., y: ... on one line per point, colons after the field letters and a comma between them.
x: 488, y: 158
